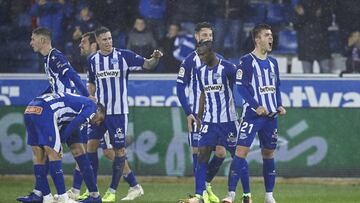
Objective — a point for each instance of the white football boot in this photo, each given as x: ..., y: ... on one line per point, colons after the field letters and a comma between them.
x: 134, y: 192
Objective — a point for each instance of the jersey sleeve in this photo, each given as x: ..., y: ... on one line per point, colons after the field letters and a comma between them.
x: 230, y: 70
x: 60, y: 62
x: 243, y: 80
x: 182, y: 81
x: 133, y: 60
x: 278, y: 93
x: 184, y: 74
x: 90, y: 71
x: 86, y: 114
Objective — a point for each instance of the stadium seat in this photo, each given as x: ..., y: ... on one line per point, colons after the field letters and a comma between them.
x: 287, y: 42
x: 258, y: 13
x: 275, y: 14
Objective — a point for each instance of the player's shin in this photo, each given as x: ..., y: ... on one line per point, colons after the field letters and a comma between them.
x: 269, y: 174
x: 87, y: 172
x: 57, y: 175
x: 41, y: 182
x: 94, y: 161
x: 118, y: 166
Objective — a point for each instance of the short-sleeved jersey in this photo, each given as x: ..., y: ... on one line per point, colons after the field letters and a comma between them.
x: 217, y: 84
x: 66, y: 107
x: 110, y: 75
x: 187, y: 76
x: 56, y: 65
x: 261, y: 79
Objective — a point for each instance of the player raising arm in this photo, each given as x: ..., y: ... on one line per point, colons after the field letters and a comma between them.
x: 108, y: 74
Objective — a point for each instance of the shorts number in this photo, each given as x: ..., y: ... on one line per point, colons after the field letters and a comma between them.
x: 204, y: 128
x: 245, y: 125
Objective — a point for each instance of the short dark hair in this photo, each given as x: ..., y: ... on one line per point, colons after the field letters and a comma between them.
x: 42, y: 31
x: 257, y: 29
x: 202, y: 25
x: 91, y: 36
x: 101, y: 30
x: 100, y: 108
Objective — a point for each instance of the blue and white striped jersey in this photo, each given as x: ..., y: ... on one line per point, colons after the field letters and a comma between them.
x: 67, y: 107
x: 260, y: 78
x: 110, y: 74
x: 56, y: 65
x: 187, y: 76
x: 217, y: 84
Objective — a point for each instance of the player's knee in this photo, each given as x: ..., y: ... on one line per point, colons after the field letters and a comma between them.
x: 242, y: 151
x: 120, y: 152
x: 195, y: 150
x: 92, y: 145
x: 220, y: 152
x: 204, y: 154
x: 39, y: 155
x: 52, y: 154
x: 109, y: 154
x: 77, y: 149
x: 267, y: 153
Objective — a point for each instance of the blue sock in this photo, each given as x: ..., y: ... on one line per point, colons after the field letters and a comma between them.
x: 57, y: 175
x: 94, y: 161
x: 117, y: 167
x: 41, y: 182
x: 195, y: 160
x: 214, y: 167
x: 130, y: 179
x: 239, y: 170
x: 269, y: 174
x: 200, y: 177
x: 87, y: 172
x: 77, y: 179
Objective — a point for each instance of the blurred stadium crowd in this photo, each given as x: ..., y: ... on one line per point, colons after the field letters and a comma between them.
x: 311, y: 30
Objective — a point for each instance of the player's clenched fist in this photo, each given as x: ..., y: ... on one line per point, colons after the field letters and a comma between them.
x: 261, y: 111
x: 157, y: 54
x: 281, y: 110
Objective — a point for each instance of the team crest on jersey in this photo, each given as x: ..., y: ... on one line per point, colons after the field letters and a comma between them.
x: 216, y: 76
x: 239, y: 74
x: 272, y: 75
x: 181, y: 72
x: 214, y: 88
x: 114, y: 61
x: 33, y: 110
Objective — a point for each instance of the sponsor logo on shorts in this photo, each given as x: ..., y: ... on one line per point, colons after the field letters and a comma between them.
x: 33, y: 110
x: 214, y: 88
x: 270, y: 89
x: 242, y: 136
x: 231, y: 139
x: 119, y: 134
x: 108, y: 74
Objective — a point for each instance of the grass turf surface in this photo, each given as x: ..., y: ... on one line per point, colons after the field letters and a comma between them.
x: 170, y: 189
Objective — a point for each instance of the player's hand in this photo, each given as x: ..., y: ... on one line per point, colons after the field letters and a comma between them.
x: 281, y: 110
x: 190, y: 121
x: 261, y: 111
x: 157, y: 54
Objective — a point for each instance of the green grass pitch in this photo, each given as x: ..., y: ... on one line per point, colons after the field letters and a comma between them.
x: 170, y: 189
